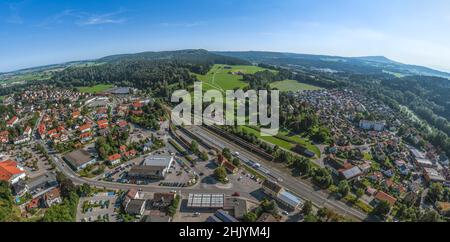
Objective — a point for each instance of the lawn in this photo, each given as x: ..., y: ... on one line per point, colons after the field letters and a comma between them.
x: 95, y: 89
x: 222, y: 79
x: 306, y: 143
x: 293, y: 85
x: 283, y: 143
x: 270, y: 139
x: 40, y: 76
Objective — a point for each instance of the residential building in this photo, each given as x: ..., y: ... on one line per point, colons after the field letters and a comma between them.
x: 102, y: 124
x: 114, y: 159
x: 382, y: 196
x: 4, y: 136
x: 163, y: 199
x: 85, y: 128
x: 12, y: 121
x: 135, y: 207
x: 52, y: 197
x: 372, y: 125
x: 443, y: 208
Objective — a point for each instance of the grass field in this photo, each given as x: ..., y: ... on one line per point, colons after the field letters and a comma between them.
x: 222, y: 79
x: 26, y: 77
x: 299, y: 140
x: 292, y: 85
x: 294, y: 140
x: 95, y: 89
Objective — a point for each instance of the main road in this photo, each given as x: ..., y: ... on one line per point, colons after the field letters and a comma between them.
x: 298, y: 186
x: 301, y: 187
x: 184, y: 191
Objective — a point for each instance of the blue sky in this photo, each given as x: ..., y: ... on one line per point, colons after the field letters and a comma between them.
x: 38, y: 32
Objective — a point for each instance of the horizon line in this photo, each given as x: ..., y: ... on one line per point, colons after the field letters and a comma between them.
x: 441, y: 69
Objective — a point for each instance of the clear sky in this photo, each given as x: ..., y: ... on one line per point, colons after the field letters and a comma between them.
x: 38, y: 32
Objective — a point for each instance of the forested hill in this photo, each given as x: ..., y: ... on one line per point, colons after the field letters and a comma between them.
x: 160, y: 72
x: 359, y: 65
x: 186, y: 56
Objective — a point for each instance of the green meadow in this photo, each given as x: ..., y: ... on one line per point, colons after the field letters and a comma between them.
x: 293, y: 85
x: 95, y: 89
x: 283, y: 140
x: 226, y: 77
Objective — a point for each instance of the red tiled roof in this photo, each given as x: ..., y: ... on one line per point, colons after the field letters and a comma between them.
x: 102, y: 110
x: 137, y: 112
x: 114, y: 157
x: 382, y: 196
x: 103, y: 121
x: 122, y: 123
x: 76, y: 114
x: 12, y: 120
x: 53, y: 194
x: 85, y: 135
x: 41, y: 129
x: 84, y: 127
x: 137, y: 104
x: 130, y: 153
x: 8, y: 169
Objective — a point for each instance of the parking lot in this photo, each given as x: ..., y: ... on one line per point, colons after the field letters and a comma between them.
x: 176, y: 176
x: 100, y: 207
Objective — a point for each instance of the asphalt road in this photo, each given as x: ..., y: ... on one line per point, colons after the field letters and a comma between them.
x: 304, y: 189
x: 184, y: 191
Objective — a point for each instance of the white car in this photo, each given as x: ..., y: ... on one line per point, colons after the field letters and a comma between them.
x: 236, y: 153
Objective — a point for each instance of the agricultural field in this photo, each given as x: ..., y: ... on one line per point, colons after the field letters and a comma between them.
x: 95, y: 89
x: 38, y: 76
x: 225, y: 77
x: 293, y: 85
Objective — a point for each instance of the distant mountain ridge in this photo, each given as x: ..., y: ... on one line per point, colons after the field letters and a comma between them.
x: 365, y: 64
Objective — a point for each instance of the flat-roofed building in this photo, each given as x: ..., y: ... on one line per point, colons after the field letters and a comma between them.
x: 206, y: 200
x: 222, y: 216
x: 432, y: 175
x: 79, y: 159
x: 153, y: 167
